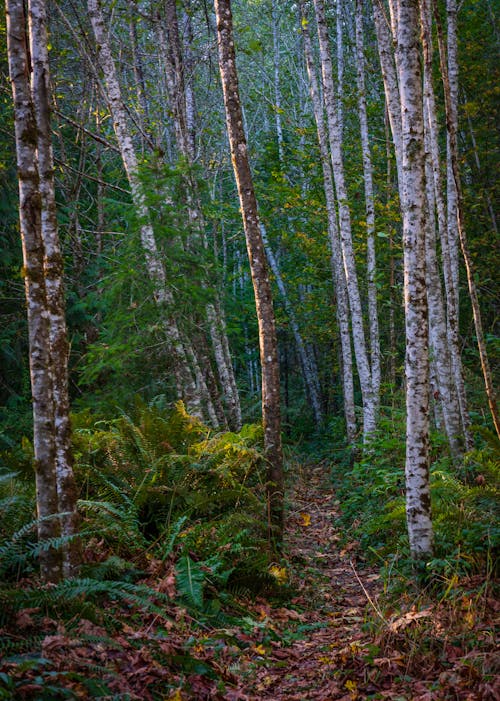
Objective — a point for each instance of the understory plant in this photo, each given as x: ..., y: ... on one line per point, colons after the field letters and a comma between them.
x: 465, y: 501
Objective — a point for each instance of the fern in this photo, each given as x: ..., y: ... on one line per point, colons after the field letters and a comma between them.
x: 190, y: 579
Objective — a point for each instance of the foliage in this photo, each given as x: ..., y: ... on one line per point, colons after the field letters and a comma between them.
x: 465, y: 502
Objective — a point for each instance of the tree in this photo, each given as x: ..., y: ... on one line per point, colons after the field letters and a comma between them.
x: 271, y: 411
x: 191, y: 388
x: 418, y: 506
x: 335, y: 131
x: 338, y: 272
x: 53, y: 271
x: 55, y: 489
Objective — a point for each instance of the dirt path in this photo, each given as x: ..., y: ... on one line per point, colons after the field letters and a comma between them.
x: 333, y: 595
x: 341, y: 648
x: 326, y: 641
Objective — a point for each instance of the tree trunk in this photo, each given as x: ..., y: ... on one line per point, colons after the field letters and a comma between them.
x: 448, y: 361
x: 390, y: 78
x: 449, y: 73
x: 53, y: 263
x: 335, y: 132
x: 369, y: 207
x: 418, y: 507
x: 258, y: 267
x: 30, y: 215
x: 333, y: 236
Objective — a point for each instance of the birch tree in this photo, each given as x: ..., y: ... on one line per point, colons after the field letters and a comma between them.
x: 369, y: 208
x: 30, y: 216
x: 443, y: 322
x: 418, y: 507
x: 338, y: 273
x: 271, y: 412
x: 53, y: 271
x: 335, y: 140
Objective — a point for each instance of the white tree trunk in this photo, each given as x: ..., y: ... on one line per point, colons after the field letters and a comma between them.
x: 444, y: 392
x: 186, y: 385
x: 53, y: 264
x: 452, y: 120
x: 418, y: 507
x: 338, y: 273
x: 390, y: 78
x: 277, y: 89
x: 452, y: 387
x: 30, y: 211
x: 361, y: 355
x: 371, y: 265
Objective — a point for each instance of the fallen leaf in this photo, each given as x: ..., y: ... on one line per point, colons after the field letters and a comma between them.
x: 306, y: 519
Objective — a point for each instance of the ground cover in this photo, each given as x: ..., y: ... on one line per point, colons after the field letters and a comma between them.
x: 329, y: 629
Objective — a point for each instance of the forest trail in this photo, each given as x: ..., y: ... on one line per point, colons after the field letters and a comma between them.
x: 318, y: 636
x: 335, y: 595
x: 341, y: 646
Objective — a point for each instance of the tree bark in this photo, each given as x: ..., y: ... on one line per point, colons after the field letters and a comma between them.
x: 30, y: 216
x: 53, y: 270
x: 258, y: 267
x: 448, y: 361
x: 418, y: 506
x: 342, y: 308
x: 371, y: 264
x: 335, y: 134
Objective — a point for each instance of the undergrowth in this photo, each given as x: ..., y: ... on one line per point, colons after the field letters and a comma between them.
x: 465, y: 505
x: 173, y: 521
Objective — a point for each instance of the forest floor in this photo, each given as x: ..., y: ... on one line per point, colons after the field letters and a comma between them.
x: 334, y: 636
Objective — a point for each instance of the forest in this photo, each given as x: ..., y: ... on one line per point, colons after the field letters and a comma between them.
x: 249, y: 303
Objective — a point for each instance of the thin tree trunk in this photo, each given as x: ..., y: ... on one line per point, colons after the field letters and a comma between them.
x: 444, y: 392
x: 258, y: 267
x: 140, y: 84
x: 448, y: 361
x: 30, y: 215
x: 276, y: 75
x: 338, y: 273
x: 418, y: 507
x: 334, y: 129
x: 449, y: 73
x: 186, y: 386
x: 307, y: 361
x: 53, y: 262
x: 371, y: 265
x: 390, y: 79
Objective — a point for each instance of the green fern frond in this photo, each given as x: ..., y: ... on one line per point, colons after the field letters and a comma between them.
x: 190, y: 579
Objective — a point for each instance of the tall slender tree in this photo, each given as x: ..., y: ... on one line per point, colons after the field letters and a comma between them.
x: 53, y: 271
x: 338, y: 272
x: 335, y: 129
x: 271, y: 412
x: 30, y: 215
x: 418, y: 506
